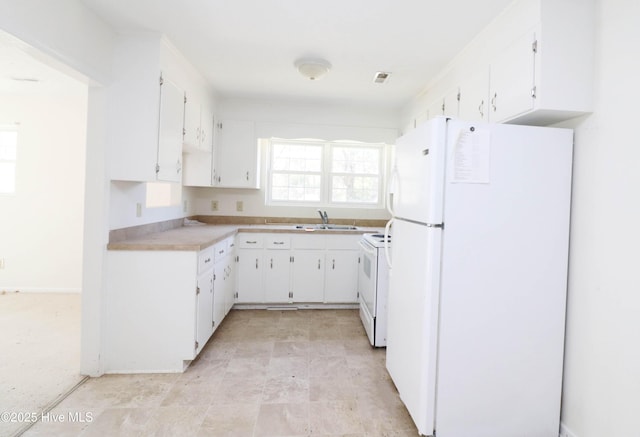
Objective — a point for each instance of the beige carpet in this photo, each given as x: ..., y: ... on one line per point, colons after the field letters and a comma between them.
x: 39, y: 352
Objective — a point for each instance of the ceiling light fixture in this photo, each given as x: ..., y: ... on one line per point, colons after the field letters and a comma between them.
x: 313, y: 69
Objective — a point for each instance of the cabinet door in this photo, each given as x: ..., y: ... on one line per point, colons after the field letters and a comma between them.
x: 206, y: 126
x: 236, y: 162
x: 435, y: 108
x: 250, y: 276
x: 191, y: 132
x: 277, y: 276
x: 341, y: 278
x: 512, y: 80
x: 204, y: 309
x: 229, y: 284
x: 219, y: 292
x: 451, y: 103
x: 474, y: 97
x: 307, y: 279
x: 231, y: 289
x: 169, y: 164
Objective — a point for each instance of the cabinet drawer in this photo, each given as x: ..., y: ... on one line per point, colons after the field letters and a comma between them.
x: 231, y: 245
x: 205, y: 259
x: 220, y: 250
x: 277, y: 241
x: 308, y: 241
x: 343, y: 242
x: 250, y: 241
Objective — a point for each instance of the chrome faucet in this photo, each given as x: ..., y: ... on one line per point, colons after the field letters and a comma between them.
x: 324, y: 217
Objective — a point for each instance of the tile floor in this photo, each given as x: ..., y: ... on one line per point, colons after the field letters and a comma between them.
x: 263, y: 373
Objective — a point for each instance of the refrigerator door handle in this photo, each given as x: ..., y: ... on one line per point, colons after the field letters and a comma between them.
x: 387, y: 254
x: 391, y: 189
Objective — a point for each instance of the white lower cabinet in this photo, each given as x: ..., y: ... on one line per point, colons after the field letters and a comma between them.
x: 279, y: 268
x: 307, y: 275
x: 161, y: 303
x: 204, y: 309
x: 249, y: 276
x: 230, y: 276
x: 341, y: 276
x: 223, y: 253
x: 276, y: 276
x: 167, y: 304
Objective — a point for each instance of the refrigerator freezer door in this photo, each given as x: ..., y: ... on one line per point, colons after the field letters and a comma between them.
x: 419, y: 168
x: 413, y: 319
x: 503, y: 288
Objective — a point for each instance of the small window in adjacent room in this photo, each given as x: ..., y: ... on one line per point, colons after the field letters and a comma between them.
x: 8, y: 153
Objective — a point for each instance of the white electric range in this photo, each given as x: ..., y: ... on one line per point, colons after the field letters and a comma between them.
x: 373, y: 286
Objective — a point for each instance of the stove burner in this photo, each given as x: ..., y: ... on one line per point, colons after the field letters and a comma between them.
x: 377, y: 240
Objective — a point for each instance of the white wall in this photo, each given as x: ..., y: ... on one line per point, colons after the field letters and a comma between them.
x: 602, y: 367
x: 69, y: 35
x: 329, y: 122
x: 41, y: 225
x: 123, y: 202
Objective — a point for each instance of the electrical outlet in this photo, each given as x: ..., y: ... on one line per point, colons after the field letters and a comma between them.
x: 138, y: 209
x: 239, y: 205
x: 214, y: 205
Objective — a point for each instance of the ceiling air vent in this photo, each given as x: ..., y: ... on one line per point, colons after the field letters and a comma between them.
x: 381, y: 77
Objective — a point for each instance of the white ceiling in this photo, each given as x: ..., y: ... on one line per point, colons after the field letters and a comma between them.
x: 21, y: 73
x: 248, y: 47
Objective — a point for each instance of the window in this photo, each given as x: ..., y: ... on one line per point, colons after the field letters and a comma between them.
x: 8, y: 150
x: 322, y: 173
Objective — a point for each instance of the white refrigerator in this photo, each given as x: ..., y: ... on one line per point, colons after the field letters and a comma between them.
x: 476, y: 305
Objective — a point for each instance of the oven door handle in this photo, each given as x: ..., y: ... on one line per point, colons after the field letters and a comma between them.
x: 367, y: 248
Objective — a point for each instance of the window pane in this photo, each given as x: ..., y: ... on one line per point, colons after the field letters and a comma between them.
x: 8, y: 142
x: 7, y: 177
x: 355, y: 160
x: 296, y: 157
x: 295, y: 187
x: 354, y: 189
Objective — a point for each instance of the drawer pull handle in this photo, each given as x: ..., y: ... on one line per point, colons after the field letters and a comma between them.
x: 207, y: 260
x: 251, y: 242
x: 278, y: 242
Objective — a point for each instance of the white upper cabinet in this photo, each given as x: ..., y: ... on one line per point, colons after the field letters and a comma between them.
x: 151, y: 81
x: 451, y: 103
x: 198, y: 143
x: 538, y: 55
x: 198, y: 123
x: 169, y: 166
x: 474, y: 96
x: 236, y: 162
x: 139, y: 112
x: 513, y: 89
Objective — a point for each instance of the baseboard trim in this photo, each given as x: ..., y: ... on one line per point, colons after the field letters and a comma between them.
x: 13, y: 289
x: 318, y: 306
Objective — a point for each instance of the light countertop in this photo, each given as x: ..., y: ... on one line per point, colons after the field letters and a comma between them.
x: 200, y: 236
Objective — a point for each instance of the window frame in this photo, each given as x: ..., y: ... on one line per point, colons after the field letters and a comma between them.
x: 326, y: 173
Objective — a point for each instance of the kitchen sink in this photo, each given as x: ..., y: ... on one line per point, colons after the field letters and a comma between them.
x: 328, y: 227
